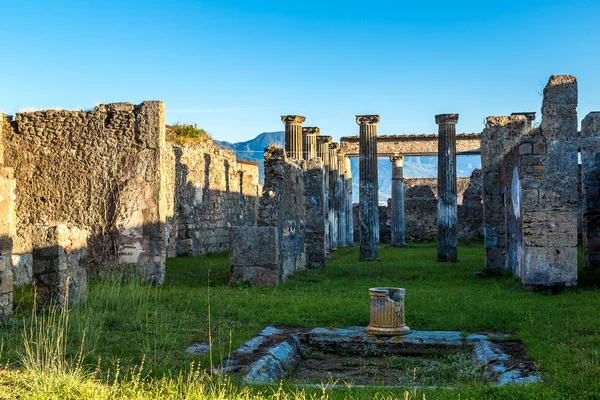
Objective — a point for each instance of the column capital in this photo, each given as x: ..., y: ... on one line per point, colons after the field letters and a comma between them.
x: 367, y: 119
x: 529, y: 115
x: 311, y: 130
x: 446, y: 119
x: 397, y: 157
x: 292, y: 119
x: 334, y: 146
x: 323, y: 139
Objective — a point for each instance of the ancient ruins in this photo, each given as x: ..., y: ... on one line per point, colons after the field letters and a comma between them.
x: 91, y: 193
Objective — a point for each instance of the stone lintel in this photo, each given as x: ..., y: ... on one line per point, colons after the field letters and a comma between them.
x: 292, y: 119
x: 446, y: 119
x: 367, y: 119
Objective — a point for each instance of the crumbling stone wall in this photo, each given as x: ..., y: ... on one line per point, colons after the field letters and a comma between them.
x: 540, y: 181
x: 59, y: 265
x: 590, y: 184
x: 7, y: 234
x: 282, y: 205
x: 211, y: 192
x: 314, y: 201
x: 100, y: 170
x: 420, y: 203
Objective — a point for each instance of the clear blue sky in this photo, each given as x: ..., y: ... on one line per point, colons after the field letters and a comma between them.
x: 235, y: 67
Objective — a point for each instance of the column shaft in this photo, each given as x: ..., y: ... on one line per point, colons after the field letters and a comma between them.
x: 369, y: 187
x: 447, y: 207
x: 293, y: 135
x: 341, y: 200
x: 398, y: 227
x: 349, y: 218
x: 323, y: 143
x: 333, y: 192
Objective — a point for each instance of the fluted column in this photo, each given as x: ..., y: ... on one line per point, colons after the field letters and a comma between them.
x: 293, y: 135
x: 447, y: 207
x: 341, y: 200
x: 349, y: 216
x: 323, y: 143
x: 369, y: 187
x: 309, y: 142
x: 333, y: 193
x: 398, y: 229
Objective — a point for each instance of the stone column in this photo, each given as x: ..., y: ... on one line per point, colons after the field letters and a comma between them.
x: 349, y: 216
x: 398, y: 229
x: 333, y: 193
x: 293, y: 135
x: 447, y: 207
x: 341, y: 199
x: 590, y: 179
x: 369, y: 187
x: 529, y: 116
x: 309, y: 142
x: 323, y: 143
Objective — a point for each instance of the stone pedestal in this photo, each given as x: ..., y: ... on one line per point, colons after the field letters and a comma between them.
x: 309, y: 142
x: 447, y: 206
x: 590, y: 177
x: 387, y: 312
x: 59, y: 265
x: 369, y: 187
x: 397, y: 220
x: 293, y: 135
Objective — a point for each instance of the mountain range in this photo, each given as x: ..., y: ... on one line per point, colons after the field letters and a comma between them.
x: 414, y: 167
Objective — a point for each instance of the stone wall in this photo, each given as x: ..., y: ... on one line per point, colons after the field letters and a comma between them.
x: 102, y: 171
x: 282, y: 206
x: 421, y: 210
x: 211, y: 192
x: 7, y: 233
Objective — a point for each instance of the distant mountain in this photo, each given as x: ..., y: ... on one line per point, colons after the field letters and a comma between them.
x: 414, y: 167
x: 253, y: 150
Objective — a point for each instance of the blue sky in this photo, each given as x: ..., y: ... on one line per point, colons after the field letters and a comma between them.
x: 235, y: 67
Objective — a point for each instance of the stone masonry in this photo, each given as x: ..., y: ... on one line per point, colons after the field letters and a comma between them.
x: 102, y: 171
x: 590, y: 176
x: 59, y: 265
x: 7, y: 234
x: 314, y: 200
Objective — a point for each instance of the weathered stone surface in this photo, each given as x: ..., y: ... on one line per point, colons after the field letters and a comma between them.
x: 293, y: 135
x: 323, y: 143
x: 590, y: 179
x: 309, y: 142
x: 314, y: 200
x: 254, y: 255
x: 101, y: 170
x: 369, y: 188
x: 282, y: 206
x: 211, y: 191
x: 500, y: 135
x: 59, y: 265
x: 349, y: 210
x: 7, y: 236
x: 333, y: 194
x: 447, y: 203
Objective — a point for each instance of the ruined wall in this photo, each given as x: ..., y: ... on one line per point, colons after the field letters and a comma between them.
x: 282, y: 206
x: 7, y: 233
x: 210, y: 192
x: 420, y: 204
x: 314, y: 201
x: 101, y: 171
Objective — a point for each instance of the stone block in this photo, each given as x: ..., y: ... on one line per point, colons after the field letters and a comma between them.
x: 254, y: 255
x: 525, y: 148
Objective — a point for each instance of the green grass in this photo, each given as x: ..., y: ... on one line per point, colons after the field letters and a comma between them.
x: 123, y: 325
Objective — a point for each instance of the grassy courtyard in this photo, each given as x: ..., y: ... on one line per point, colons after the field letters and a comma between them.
x: 128, y: 340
